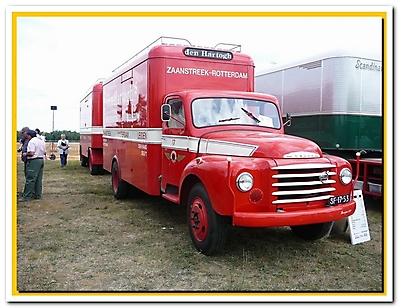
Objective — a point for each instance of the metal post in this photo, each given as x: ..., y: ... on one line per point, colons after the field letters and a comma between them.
x: 52, y: 139
x: 52, y: 156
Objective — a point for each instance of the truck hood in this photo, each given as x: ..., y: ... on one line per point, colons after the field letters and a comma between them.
x: 258, y: 144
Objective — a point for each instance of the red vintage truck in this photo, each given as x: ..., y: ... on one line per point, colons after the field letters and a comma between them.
x: 91, y: 129
x: 183, y: 122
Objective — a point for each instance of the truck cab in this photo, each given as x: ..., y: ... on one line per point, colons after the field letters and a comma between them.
x: 226, y: 158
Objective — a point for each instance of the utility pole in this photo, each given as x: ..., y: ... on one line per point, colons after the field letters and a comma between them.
x: 52, y: 156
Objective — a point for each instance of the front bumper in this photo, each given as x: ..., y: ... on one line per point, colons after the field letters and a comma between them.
x: 294, y: 218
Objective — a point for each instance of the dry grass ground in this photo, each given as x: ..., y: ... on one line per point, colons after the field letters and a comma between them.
x: 78, y: 238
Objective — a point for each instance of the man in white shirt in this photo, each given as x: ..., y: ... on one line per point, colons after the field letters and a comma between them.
x: 36, y: 151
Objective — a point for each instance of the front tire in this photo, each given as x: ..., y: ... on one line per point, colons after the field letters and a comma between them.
x: 120, y: 188
x: 208, y: 229
x: 312, y: 232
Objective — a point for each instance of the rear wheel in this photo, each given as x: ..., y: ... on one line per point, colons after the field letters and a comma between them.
x: 208, y: 229
x: 94, y: 169
x: 312, y: 232
x: 120, y: 188
x: 83, y: 159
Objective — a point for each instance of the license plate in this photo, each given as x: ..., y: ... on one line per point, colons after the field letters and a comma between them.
x: 339, y: 199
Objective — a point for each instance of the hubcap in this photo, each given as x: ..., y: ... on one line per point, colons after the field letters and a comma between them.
x: 199, y: 219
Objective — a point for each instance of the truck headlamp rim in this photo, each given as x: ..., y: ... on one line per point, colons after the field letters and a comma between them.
x: 245, y: 181
x: 345, y: 176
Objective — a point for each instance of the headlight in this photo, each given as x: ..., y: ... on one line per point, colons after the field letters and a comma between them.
x: 345, y: 176
x: 244, y: 181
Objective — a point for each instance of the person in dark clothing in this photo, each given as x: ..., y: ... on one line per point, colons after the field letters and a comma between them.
x: 24, y: 145
x: 36, y: 151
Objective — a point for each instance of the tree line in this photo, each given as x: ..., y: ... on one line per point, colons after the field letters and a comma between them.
x: 56, y: 135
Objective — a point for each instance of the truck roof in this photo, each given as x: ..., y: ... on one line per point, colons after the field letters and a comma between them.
x: 159, y: 49
x: 338, y: 53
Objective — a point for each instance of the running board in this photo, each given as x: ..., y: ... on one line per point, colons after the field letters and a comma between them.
x: 171, y: 197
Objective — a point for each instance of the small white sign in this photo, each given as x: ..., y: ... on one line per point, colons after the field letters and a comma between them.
x: 358, y: 225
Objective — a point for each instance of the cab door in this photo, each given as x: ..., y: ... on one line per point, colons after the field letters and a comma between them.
x: 174, y: 144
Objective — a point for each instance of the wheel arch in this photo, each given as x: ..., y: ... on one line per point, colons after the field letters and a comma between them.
x: 208, y: 173
x: 115, y: 159
x: 186, y: 186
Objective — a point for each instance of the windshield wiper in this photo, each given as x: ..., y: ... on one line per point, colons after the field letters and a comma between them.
x: 229, y: 119
x: 250, y: 115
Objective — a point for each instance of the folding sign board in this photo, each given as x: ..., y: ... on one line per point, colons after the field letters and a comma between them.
x: 358, y: 225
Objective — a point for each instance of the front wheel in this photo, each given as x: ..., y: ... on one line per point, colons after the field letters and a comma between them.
x: 120, y: 188
x: 312, y: 232
x: 208, y: 229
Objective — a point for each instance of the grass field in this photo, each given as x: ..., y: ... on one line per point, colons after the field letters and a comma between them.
x: 78, y: 238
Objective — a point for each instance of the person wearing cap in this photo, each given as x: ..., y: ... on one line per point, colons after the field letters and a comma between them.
x: 24, y: 144
x: 36, y: 151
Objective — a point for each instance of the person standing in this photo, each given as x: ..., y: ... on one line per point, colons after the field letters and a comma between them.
x: 40, y: 135
x: 24, y: 145
x: 36, y: 151
x: 63, y: 149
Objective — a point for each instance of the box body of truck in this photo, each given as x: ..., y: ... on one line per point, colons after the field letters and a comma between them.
x: 91, y: 129
x: 336, y: 101
x: 133, y: 96
x: 183, y: 122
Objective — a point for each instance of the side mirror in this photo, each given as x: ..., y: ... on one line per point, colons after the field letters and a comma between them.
x: 165, y: 112
x: 288, y: 120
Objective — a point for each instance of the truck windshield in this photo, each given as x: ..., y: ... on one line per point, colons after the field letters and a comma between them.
x: 228, y: 111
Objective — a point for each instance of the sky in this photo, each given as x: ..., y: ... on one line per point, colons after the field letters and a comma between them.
x: 59, y: 58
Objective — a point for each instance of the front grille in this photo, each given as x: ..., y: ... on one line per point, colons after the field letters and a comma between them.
x: 303, y: 182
